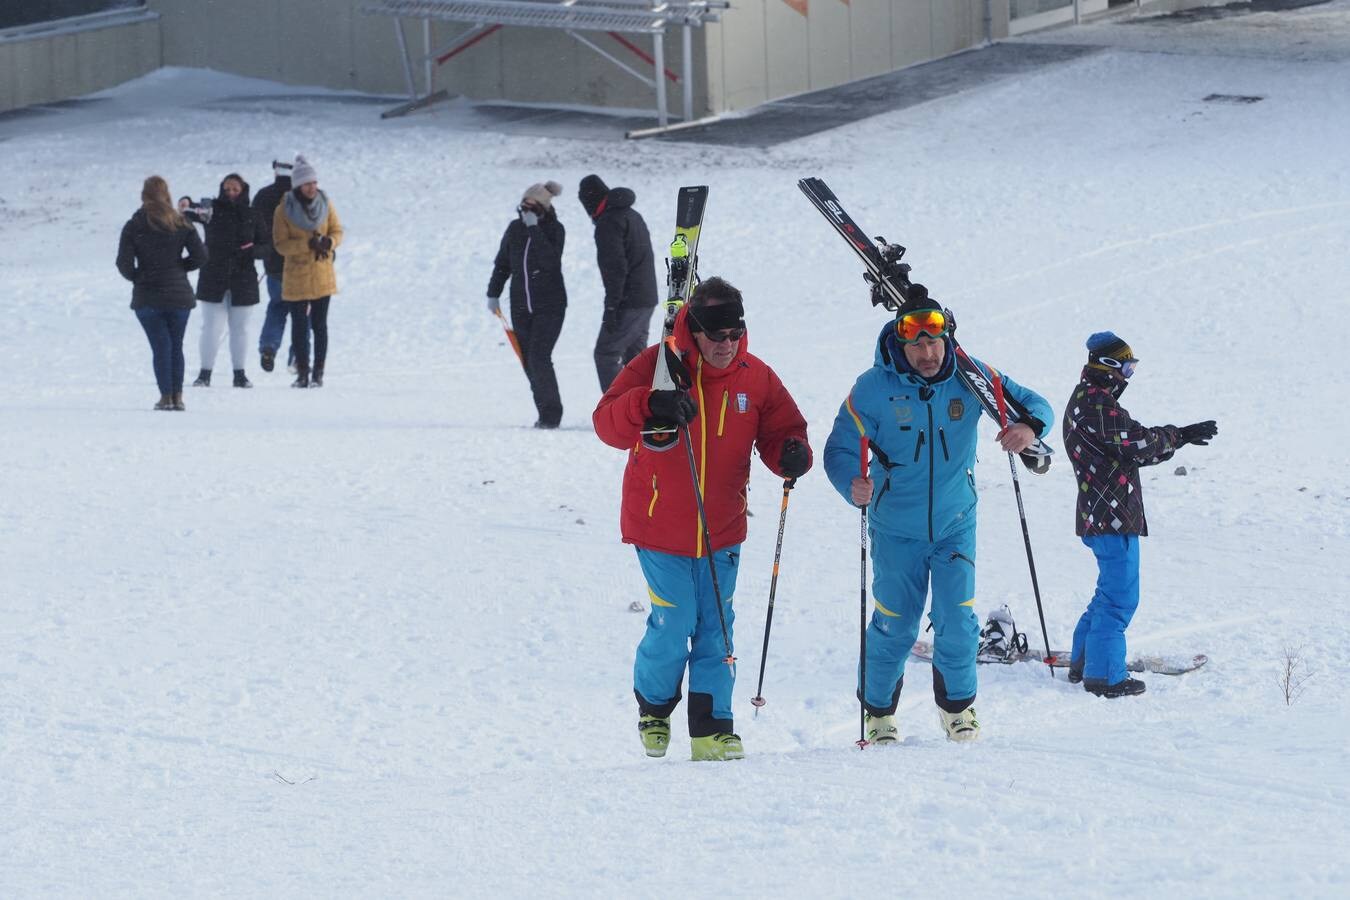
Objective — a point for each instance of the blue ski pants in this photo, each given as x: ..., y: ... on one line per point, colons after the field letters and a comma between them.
x: 1099, y: 638
x: 901, y: 573
x: 683, y: 629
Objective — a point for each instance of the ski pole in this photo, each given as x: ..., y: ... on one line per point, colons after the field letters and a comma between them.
x: 758, y: 700
x: 707, y: 543
x: 511, y: 337
x: 862, y: 627
x: 1022, y: 514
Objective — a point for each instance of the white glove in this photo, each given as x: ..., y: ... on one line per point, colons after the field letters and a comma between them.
x: 494, y: 305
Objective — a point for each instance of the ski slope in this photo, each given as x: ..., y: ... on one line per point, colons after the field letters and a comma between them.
x: 375, y: 640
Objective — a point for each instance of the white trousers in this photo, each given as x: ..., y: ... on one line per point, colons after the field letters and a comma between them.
x: 216, y: 317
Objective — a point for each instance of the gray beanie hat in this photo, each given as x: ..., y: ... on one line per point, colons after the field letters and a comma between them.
x: 302, y: 172
x: 543, y: 194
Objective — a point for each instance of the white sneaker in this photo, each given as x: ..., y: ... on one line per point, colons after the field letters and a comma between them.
x: 960, y: 726
x: 882, y: 730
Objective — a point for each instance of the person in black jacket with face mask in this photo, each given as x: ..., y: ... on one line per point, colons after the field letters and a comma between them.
x: 228, y: 285
x: 150, y: 256
x: 530, y: 255
x: 623, y: 249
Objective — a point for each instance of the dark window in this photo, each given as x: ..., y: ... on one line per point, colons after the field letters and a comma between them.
x: 28, y: 12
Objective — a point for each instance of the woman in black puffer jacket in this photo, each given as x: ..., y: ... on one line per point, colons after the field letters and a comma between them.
x: 530, y: 256
x: 228, y: 285
x: 150, y: 256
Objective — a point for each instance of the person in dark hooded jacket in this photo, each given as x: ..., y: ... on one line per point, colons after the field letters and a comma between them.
x: 530, y: 256
x: 623, y: 250
x: 1107, y: 447
x: 150, y: 256
x: 228, y: 284
x: 265, y: 204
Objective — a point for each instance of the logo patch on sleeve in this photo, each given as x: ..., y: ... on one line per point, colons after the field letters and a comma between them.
x: 956, y: 409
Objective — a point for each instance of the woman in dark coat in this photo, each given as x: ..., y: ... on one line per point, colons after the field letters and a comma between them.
x: 530, y: 255
x: 228, y: 285
x: 150, y: 256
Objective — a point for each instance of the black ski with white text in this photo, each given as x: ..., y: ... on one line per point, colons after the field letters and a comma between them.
x: 891, y: 287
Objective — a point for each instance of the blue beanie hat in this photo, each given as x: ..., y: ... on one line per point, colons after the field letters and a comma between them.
x: 1107, y: 344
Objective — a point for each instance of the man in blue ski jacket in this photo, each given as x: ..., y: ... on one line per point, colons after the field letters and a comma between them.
x: 920, y: 424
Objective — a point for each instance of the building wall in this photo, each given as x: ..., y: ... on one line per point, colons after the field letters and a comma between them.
x: 47, y: 67
x: 766, y: 49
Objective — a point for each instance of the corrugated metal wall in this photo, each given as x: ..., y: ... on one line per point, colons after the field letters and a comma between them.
x: 69, y: 63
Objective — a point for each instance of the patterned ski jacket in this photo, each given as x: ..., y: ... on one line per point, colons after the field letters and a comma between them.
x: 741, y: 407
x: 922, y: 436
x: 1107, y: 447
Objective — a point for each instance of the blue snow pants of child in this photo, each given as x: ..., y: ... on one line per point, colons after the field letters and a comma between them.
x: 683, y: 629
x: 1099, y: 638
x: 901, y: 571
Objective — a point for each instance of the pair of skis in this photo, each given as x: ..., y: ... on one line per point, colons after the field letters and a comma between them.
x: 891, y: 287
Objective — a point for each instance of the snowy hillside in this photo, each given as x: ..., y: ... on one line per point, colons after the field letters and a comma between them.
x: 375, y: 640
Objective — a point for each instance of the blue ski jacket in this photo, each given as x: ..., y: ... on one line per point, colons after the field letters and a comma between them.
x: 922, y: 436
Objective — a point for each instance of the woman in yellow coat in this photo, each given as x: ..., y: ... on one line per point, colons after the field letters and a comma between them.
x: 306, y: 232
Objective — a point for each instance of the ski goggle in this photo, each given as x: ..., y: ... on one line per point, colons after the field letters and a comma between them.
x: 729, y: 334
x: 1126, y: 366
x: 920, y: 323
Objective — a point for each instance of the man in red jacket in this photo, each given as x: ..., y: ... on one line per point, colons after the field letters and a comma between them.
x: 733, y: 403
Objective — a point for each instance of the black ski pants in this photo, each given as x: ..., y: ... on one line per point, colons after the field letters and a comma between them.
x: 538, y: 333
x: 307, y: 315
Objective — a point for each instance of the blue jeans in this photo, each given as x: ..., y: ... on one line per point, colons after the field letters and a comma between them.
x: 274, y: 322
x: 164, y: 328
x: 901, y: 572
x: 1099, y: 638
x: 683, y: 629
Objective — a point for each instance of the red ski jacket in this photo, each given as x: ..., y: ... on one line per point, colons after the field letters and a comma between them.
x: 741, y: 407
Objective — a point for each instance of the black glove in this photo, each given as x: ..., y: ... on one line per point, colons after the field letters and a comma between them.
x: 1199, y: 433
x: 795, y: 460
x: 611, y: 318
x: 676, y: 407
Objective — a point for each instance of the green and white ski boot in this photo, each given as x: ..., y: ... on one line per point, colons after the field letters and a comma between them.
x: 960, y: 726
x: 882, y: 730
x: 655, y: 734
x: 716, y: 748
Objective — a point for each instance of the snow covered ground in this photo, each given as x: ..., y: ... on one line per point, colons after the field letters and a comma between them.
x: 374, y: 640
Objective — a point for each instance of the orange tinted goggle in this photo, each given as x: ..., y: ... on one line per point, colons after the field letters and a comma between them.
x: 912, y: 326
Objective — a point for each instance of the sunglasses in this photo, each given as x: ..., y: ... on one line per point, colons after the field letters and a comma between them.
x: 1126, y: 367
x: 727, y: 334
x: 921, y: 323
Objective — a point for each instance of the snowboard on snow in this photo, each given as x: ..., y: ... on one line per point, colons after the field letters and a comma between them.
x: 1168, y: 664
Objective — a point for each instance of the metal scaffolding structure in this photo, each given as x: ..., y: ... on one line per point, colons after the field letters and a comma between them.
x: 614, y: 17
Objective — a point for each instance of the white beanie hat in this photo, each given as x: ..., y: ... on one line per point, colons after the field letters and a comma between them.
x: 302, y: 172
x: 543, y: 194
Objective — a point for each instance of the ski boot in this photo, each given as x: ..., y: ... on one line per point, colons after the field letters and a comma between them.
x: 882, y: 730
x: 655, y: 734
x: 960, y: 726
x: 1127, y: 687
x: 203, y: 378
x: 1076, y: 671
x: 716, y: 748
x: 241, y: 380
x: 999, y: 638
